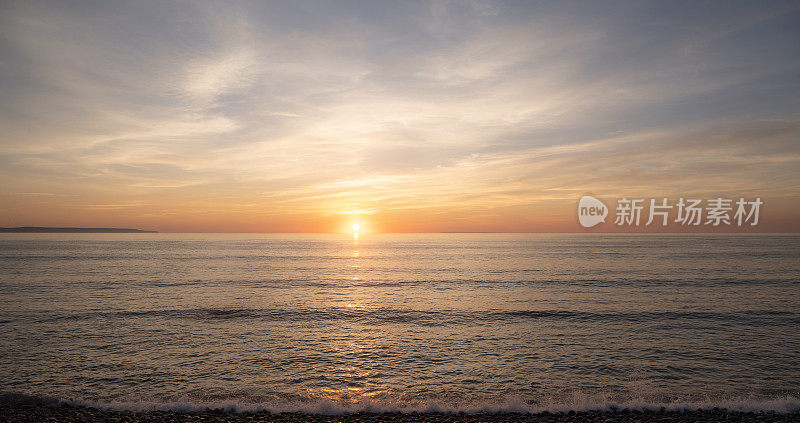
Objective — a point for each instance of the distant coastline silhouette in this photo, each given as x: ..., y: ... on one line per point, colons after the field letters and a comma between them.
x: 44, y: 229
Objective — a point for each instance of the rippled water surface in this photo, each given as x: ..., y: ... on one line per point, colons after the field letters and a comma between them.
x: 402, y: 319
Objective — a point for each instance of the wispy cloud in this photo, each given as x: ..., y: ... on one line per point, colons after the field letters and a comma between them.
x: 470, y: 111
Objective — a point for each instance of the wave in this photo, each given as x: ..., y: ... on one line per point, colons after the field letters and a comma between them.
x: 576, y: 403
x: 433, y: 317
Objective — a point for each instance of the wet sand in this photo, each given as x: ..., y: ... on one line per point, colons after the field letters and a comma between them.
x: 69, y: 413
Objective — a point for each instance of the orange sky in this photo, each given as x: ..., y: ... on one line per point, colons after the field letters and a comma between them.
x: 404, y: 117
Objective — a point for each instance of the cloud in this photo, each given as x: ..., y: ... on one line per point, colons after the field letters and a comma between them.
x: 323, y: 108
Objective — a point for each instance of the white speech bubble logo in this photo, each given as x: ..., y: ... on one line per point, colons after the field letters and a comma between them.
x: 591, y: 211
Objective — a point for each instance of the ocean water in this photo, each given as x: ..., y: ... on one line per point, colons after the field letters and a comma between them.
x: 466, y: 322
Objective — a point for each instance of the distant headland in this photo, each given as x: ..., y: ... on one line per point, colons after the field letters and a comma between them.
x: 43, y: 229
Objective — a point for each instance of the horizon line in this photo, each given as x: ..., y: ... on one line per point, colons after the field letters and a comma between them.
x: 151, y: 232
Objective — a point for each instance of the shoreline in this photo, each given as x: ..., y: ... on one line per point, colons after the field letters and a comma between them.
x: 20, y: 407
x: 68, y: 413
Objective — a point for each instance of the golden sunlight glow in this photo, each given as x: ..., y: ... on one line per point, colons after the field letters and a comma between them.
x: 470, y: 132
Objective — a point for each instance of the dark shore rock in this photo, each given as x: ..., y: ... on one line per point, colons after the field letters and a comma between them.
x: 68, y: 413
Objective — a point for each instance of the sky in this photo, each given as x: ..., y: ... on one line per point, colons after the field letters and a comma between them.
x: 405, y: 116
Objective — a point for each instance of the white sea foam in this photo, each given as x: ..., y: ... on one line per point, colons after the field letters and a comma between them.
x: 781, y: 405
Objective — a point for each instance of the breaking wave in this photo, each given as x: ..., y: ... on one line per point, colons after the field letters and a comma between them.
x: 576, y: 403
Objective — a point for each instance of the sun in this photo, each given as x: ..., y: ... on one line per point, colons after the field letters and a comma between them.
x: 356, y: 227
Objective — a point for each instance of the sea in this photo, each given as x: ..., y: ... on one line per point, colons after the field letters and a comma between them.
x: 402, y: 322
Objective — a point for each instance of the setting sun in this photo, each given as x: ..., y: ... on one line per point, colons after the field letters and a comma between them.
x: 356, y: 227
